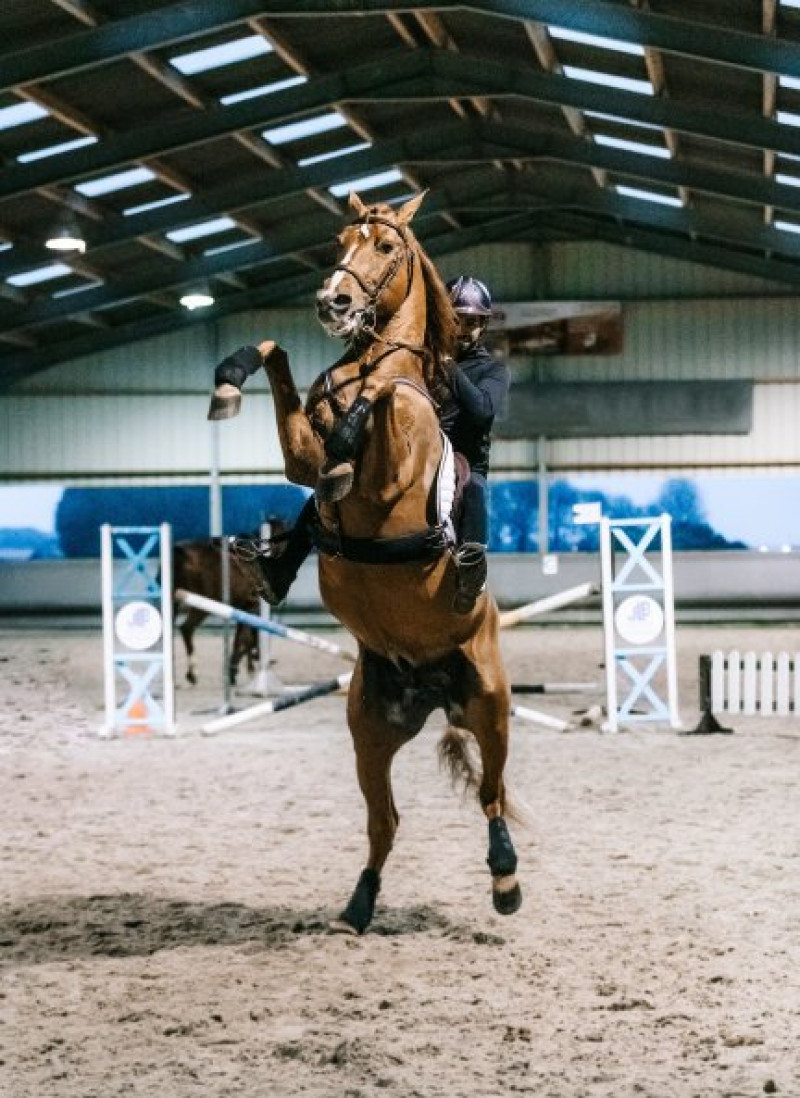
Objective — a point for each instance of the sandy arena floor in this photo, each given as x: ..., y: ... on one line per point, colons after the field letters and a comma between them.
x: 164, y: 903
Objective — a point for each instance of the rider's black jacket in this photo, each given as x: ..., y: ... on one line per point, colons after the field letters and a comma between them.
x: 479, y: 386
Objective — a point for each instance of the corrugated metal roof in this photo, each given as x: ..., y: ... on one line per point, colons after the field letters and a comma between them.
x: 141, y: 124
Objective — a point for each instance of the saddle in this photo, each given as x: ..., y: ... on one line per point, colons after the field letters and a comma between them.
x: 452, y: 478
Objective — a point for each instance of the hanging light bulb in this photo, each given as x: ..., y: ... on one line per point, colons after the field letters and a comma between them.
x: 66, y: 236
x: 197, y: 298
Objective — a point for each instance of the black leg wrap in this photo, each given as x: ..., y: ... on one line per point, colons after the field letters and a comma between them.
x: 238, y: 367
x: 359, y: 911
x: 502, y: 857
x: 343, y: 441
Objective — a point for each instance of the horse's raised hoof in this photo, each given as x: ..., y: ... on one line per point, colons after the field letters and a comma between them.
x: 506, y: 895
x: 357, y: 916
x: 226, y: 402
x: 334, y: 482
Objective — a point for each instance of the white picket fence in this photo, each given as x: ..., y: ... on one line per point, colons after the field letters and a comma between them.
x: 754, y: 683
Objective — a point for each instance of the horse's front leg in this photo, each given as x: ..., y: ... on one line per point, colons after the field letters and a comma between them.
x: 302, y: 448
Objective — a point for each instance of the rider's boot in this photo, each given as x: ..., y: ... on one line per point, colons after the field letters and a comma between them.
x: 277, y: 574
x: 470, y: 561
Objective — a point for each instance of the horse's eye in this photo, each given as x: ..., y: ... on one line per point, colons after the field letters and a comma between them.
x: 385, y: 246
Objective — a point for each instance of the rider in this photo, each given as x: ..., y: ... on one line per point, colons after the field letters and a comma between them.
x: 477, y: 387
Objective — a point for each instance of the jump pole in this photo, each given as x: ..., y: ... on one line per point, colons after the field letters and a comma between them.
x: 230, y: 613
x: 549, y: 602
x: 275, y: 705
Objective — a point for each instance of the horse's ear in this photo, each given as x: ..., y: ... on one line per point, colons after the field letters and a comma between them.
x: 407, y: 211
x: 356, y: 204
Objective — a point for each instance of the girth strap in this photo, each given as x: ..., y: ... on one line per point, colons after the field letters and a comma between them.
x: 425, y: 545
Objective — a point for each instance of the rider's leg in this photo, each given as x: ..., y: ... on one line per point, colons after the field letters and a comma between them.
x: 470, y: 555
x: 279, y: 573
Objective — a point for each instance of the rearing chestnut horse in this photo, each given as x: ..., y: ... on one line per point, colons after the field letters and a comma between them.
x: 368, y: 440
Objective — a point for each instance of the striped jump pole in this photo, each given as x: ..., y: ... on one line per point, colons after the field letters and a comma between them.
x: 230, y: 613
x: 549, y: 602
x: 275, y: 705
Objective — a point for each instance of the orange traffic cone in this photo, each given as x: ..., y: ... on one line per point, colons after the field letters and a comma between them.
x: 137, y: 712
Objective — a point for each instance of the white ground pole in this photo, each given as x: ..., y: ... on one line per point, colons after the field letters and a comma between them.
x: 275, y: 705
x: 638, y: 619
x: 137, y: 628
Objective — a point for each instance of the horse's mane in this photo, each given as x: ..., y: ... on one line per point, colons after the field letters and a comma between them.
x: 442, y: 323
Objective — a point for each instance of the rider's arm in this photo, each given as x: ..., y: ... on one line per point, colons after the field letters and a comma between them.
x: 483, y: 399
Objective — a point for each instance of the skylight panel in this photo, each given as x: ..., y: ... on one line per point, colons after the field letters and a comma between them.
x: 788, y: 118
x: 308, y: 127
x: 624, y: 121
x: 229, y: 247
x: 787, y: 180
x: 262, y: 89
x: 215, y: 57
x: 56, y: 150
x: 790, y: 3
x: 202, y: 228
x: 786, y: 226
x: 632, y: 146
x: 789, y: 82
x: 132, y: 177
x: 78, y: 289
x: 608, y: 80
x: 304, y: 161
x: 4, y: 245
x: 596, y: 40
x: 143, y: 207
x: 648, y: 196
x: 39, y: 274
x: 366, y: 182
x: 21, y: 113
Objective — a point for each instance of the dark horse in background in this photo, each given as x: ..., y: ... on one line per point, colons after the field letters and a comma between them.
x: 368, y: 440
x: 197, y: 567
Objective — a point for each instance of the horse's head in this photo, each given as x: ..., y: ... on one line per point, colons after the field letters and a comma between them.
x: 374, y: 272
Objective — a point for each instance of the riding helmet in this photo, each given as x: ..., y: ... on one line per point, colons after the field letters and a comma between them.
x: 470, y: 296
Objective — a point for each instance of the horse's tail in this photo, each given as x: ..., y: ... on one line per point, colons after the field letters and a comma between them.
x: 458, y: 754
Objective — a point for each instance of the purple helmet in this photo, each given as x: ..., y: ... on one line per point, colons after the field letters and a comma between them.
x: 469, y: 296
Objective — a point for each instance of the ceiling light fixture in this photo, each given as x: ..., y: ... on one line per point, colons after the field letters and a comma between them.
x: 66, y: 236
x: 196, y: 299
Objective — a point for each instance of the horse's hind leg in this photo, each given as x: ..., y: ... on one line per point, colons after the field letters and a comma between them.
x: 187, y: 627
x: 376, y: 739
x: 486, y: 716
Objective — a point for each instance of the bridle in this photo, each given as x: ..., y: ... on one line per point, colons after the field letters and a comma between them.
x: 374, y: 292
x: 369, y: 315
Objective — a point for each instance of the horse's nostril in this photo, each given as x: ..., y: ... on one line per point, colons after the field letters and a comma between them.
x: 341, y: 303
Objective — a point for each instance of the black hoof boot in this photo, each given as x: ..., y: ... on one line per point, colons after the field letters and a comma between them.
x: 502, y: 859
x: 275, y: 579
x: 470, y: 560
x: 357, y: 916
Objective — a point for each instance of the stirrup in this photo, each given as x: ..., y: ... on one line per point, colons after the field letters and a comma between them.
x: 471, y: 571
